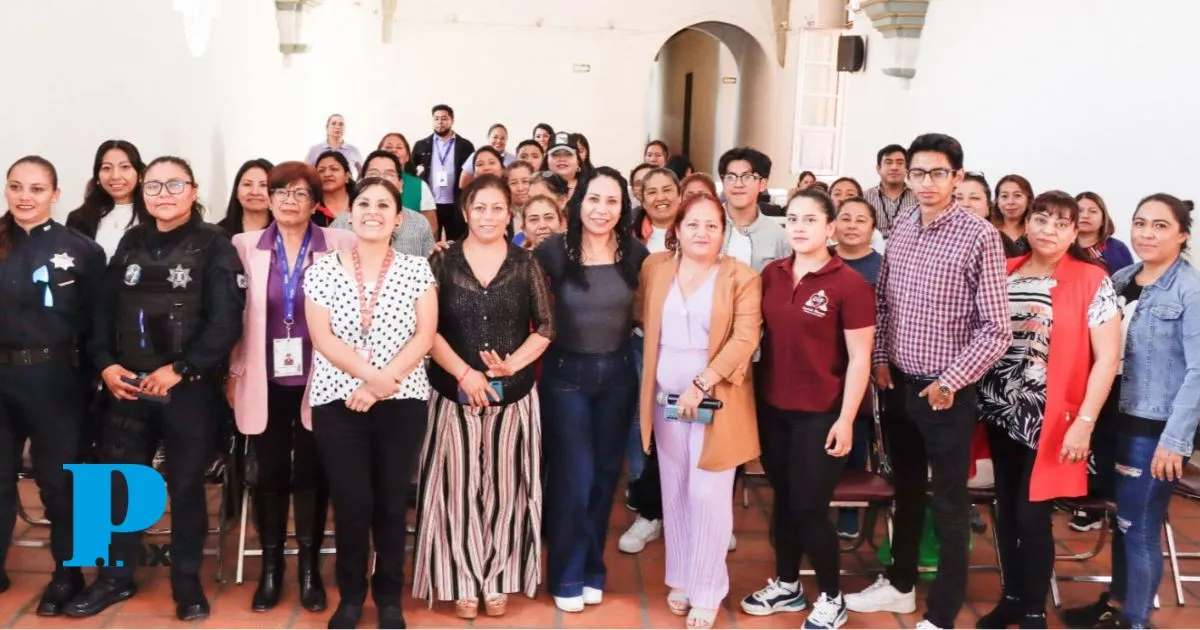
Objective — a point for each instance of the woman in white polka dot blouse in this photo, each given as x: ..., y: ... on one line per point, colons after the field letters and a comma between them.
x: 372, y: 315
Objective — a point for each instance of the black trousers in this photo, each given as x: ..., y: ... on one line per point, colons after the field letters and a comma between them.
x: 920, y: 439
x: 286, y: 452
x: 1023, y: 528
x: 451, y: 221
x: 188, y: 429
x: 370, y: 458
x: 803, y: 477
x: 47, y: 404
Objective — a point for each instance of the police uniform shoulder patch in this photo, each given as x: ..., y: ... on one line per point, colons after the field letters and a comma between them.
x: 133, y: 274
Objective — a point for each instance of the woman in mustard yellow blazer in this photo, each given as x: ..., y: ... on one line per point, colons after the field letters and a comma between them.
x: 701, y: 313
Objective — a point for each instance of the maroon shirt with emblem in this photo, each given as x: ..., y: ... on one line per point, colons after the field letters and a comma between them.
x: 804, y: 356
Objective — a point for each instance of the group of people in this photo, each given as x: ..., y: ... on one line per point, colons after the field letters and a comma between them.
x: 507, y: 329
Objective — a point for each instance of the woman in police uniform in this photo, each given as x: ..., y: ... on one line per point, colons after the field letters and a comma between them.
x: 169, y: 313
x: 47, y: 276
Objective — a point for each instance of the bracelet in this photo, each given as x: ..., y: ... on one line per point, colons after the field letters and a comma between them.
x: 702, y: 385
x: 464, y: 374
x: 1085, y: 419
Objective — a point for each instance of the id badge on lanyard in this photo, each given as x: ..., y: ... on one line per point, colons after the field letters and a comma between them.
x: 289, y: 351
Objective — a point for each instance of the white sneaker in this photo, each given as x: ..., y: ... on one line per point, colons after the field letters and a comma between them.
x: 827, y: 614
x: 592, y: 596
x: 925, y: 624
x: 732, y: 542
x: 569, y: 604
x: 641, y: 532
x: 882, y: 597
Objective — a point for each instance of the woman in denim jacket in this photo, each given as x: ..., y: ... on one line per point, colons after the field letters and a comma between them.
x: 1159, y: 402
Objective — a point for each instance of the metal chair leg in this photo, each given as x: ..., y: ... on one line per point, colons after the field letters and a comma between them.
x: 1173, y: 553
x: 241, y: 559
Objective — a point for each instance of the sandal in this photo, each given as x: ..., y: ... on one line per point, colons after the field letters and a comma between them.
x: 495, y: 605
x: 701, y: 618
x: 677, y: 601
x: 466, y: 608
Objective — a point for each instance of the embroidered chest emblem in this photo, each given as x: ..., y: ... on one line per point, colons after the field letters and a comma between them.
x: 62, y: 261
x: 133, y: 274
x: 179, y: 277
x: 817, y: 304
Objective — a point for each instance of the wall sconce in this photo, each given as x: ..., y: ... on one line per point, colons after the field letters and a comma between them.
x: 290, y: 17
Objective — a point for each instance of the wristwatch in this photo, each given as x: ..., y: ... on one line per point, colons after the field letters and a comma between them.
x: 944, y: 389
x: 181, y: 368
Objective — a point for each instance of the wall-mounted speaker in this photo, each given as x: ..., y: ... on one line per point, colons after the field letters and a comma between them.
x: 852, y: 53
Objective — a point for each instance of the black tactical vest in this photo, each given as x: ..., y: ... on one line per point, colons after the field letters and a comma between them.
x: 160, y: 306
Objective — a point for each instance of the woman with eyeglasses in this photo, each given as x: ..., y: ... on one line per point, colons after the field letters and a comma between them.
x: 337, y: 186
x: 249, y: 206
x: 112, y: 200
x: 268, y: 372
x: 48, y: 280
x: 1041, y: 399
x: 372, y: 316
x: 417, y: 194
x: 1014, y: 194
x: 1158, y: 406
x: 1096, y: 233
x: 411, y: 236
x: 588, y: 384
x: 169, y: 313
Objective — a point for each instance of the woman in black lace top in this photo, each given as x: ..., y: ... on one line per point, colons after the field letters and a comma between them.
x: 480, y: 504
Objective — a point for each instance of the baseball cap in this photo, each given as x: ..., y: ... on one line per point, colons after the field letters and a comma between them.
x: 562, y: 142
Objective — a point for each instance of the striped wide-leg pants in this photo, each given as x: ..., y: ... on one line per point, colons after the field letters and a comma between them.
x: 479, y: 508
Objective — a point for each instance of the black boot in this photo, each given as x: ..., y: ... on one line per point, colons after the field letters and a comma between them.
x: 270, y: 516
x: 1008, y: 612
x: 66, y: 584
x: 190, y: 602
x: 311, y: 508
x: 346, y: 615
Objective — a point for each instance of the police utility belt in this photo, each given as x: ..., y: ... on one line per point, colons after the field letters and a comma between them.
x: 38, y: 356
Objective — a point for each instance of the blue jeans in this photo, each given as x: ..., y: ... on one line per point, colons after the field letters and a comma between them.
x: 586, y: 401
x: 633, y: 450
x: 1142, y: 501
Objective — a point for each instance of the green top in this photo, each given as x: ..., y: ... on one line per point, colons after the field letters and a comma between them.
x: 411, y: 197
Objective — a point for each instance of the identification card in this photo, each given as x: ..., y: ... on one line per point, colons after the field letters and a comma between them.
x: 289, y: 357
x: 365, y: 353
x: 441, y: 179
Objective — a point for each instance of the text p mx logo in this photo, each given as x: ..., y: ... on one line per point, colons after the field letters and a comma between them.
x: 94, y: 527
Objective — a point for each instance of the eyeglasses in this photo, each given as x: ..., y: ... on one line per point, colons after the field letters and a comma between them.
x: 1041, y: 222
x: 174, y: 186
x: 745, y: 178
x: 389, y: 175
x: 938, y: 175
x: 281, y: 195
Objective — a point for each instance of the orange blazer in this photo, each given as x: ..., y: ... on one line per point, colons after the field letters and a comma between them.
x: 248, y: 361
x: 732, y: 438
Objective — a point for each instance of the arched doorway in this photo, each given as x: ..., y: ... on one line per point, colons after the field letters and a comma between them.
x: 699, y: 87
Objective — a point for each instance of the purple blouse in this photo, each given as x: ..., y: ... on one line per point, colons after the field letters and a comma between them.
x: 275, y: 307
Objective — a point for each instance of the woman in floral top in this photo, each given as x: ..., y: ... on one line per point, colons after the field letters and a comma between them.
x: 1040, y: 400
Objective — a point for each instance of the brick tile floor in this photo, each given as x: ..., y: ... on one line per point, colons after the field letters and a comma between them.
x: 635, y: 598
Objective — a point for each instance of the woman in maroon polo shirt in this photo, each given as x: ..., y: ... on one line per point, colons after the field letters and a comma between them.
x: 818, y: 329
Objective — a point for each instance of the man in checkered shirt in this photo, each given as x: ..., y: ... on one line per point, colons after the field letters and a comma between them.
x: 943, y: 320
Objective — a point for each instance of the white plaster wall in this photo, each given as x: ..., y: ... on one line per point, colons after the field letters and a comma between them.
x: 78, y: 73
x: 1074, y: 94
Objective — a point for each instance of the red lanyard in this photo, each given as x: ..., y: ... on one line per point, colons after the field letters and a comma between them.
x: 366, y: 309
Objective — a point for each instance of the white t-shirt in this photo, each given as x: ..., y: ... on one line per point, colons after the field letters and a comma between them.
x: 740, y: 246
x: 113, y: 226
x: 328, y: 284
x: 657, y: 241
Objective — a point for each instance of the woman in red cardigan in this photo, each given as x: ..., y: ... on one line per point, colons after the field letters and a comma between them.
x: 1040, y: 401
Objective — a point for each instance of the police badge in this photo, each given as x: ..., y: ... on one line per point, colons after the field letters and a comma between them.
x: 133, y: 274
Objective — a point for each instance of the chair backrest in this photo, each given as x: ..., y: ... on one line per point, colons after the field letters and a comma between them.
x: 879, y: 457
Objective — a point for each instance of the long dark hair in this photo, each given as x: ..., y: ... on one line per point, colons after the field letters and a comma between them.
x: 585, y: 166
x: 1181, y: 209
x: 8, y: 223
x: 234, y: 211
x: 1024, y: 185
x: 574, y: 237
x: 97, y: 203
x: 341, y: 159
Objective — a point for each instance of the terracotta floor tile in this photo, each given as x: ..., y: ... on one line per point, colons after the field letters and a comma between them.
x: 619, y: 610
x: 149, y: 621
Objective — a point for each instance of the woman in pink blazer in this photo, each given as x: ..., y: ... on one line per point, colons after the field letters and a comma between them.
x: 268, y: 375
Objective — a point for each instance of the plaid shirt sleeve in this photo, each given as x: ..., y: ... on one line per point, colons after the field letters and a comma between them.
x: 992, y: 333
x: 880, y: 355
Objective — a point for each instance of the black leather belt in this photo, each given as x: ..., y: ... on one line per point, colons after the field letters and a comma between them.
x: 913, y: 379
x: 38, y: 356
